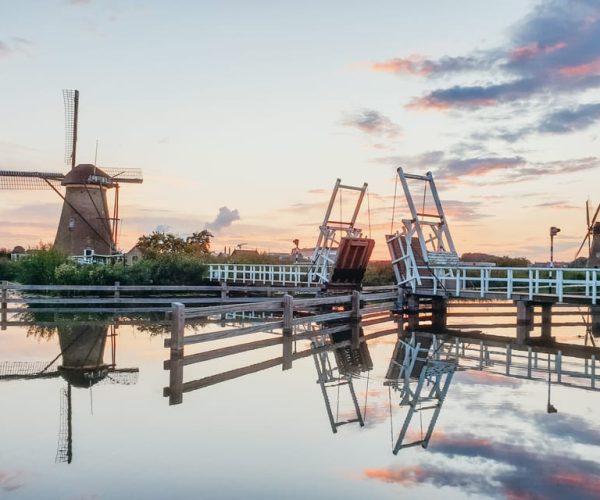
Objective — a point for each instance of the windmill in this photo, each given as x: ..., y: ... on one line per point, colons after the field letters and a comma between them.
x: 592, y: 237
x: 86, y: 226
x: 82, y: 349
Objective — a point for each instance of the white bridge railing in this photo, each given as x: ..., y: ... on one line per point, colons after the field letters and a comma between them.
x: 282, y: 274
x: 507, y: 281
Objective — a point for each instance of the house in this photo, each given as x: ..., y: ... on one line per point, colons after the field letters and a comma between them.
x: 134, y: 255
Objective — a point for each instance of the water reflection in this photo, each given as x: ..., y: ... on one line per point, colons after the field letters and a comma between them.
x: 350, y: 358
x: 80, y: 362
x: 337, y: 405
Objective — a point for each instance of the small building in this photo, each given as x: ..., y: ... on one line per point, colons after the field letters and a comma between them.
x: 133, y: 256
x: 239, y: 252
x: 18, y: 253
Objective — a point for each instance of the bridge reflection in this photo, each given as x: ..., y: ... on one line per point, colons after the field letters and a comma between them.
x: 419, y: 373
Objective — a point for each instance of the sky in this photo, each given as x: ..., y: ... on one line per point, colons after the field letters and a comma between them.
x: 243, y: 114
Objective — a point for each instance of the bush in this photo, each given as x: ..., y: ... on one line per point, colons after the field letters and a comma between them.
x: 39, y: 267
x: 379, y: 273
x: 7, y: 270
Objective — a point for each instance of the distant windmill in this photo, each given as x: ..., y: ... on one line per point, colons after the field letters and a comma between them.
x: 85, y: 222
x: 592, y: 237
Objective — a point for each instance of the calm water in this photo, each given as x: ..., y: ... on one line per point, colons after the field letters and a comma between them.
x: 268, y: 435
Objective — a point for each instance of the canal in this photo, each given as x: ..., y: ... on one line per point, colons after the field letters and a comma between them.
x: 95, y: 423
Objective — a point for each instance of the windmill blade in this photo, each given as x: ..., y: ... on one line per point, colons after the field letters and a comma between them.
x: 589, y: 232
x: 14, y: 179
x: 130, y: 175
x: 587, y: 223
x: 71, y: 100
x: 123, y: 376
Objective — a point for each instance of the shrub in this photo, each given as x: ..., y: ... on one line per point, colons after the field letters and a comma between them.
x: 7, y: 270
x: 39, y: 267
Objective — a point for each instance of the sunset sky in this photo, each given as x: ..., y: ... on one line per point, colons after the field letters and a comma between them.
x: 242, y: 114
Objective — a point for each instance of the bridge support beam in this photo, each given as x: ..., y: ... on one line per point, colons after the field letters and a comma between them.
x: 547, y: 320
x: 439, y: 314
x: 595, y: 315
x: 412, y: 311
x: 524, y: 320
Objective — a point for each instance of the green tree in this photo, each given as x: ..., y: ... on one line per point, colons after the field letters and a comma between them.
x: 198, y: 243
x: 158, y: 243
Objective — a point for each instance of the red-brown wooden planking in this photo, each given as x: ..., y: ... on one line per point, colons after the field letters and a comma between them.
x: 351, y: 263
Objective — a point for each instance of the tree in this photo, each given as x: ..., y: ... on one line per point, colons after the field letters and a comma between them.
x: 158, y: 243
x: 198, y: 243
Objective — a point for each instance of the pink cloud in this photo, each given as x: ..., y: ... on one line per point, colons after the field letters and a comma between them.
x: 533, y: 49
x: 409, y: 476
x: 591, y: 68
x: 579, y: 481
x: 412, y: 65
x: 431, y: 103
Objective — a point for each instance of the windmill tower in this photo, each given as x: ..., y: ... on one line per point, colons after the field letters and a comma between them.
x: 592, y: 238
x: 86, y: 225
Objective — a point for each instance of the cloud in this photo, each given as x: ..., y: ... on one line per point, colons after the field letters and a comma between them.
x: 14, y: 46
x: 554, y: 50
x: 569, y: 120
x: 373, y: 123
x: 520, y: 471
x: 10, y: 481
x: 510, y: 169
x: 224, y: 218
x: 420, y: 65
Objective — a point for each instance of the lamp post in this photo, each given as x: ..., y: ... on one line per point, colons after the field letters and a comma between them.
x: 553, y: 232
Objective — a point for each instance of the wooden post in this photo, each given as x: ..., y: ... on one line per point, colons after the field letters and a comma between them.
x: 117, y: 292
x: 413, y: 312
x: 176, y: 367
x: 439, y: 311
x: 3, y: 304
x: 224, y: 292
x: 547, y: 321
x: 524, y: 320
x: 356, y: 315
x: 595, y: 315
x: 288, y: 330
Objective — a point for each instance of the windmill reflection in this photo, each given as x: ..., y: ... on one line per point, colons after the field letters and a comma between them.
x: 82, y: 348
x: 351, y: 358
x: 421, y: 378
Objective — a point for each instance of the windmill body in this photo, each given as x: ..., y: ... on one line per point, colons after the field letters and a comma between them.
x: 85, y: 222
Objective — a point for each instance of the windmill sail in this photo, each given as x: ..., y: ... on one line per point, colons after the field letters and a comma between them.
x: 129, y: 175
x: 14, y: 179
x: 71, y: 100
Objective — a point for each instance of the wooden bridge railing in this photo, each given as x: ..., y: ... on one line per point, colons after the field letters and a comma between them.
x: 273, y: 274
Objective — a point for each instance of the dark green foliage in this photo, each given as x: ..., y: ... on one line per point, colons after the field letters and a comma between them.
x: 158, y: 244
x: 167, y: 270
x: 7, y: 269
x: 378, y: 273
x: 503, y: 261
x: 38, y: 268
x: 48, y: 267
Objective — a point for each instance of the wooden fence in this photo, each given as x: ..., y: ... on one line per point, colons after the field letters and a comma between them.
x: 117, y: 298
x: 370, y: 308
